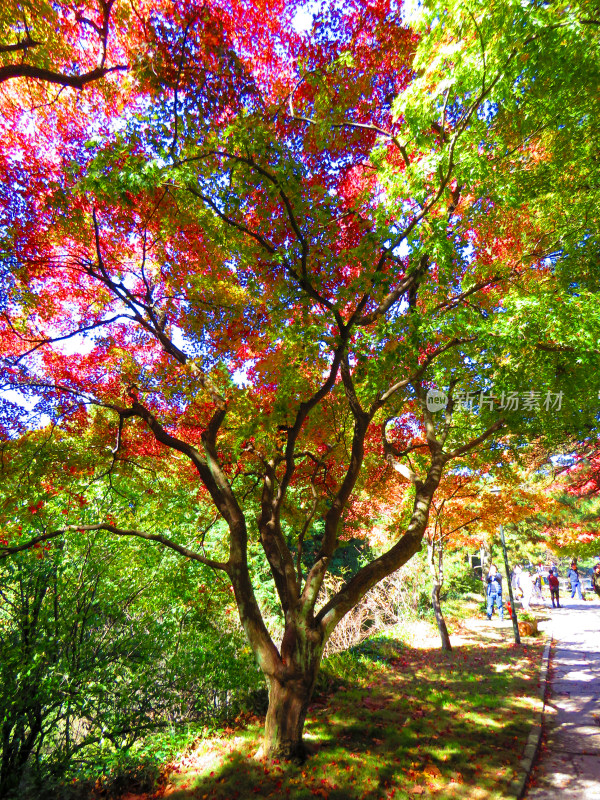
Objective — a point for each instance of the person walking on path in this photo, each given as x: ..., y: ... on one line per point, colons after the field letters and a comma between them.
x: 573, y: 576
x: 515, y: 579
x: 540, y: 576
x: 526, y: 588
x: 554, y: 587
x: 596, y: 578
x: 494, y: 592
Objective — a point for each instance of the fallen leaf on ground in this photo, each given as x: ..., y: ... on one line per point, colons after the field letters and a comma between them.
x: 374, y: 705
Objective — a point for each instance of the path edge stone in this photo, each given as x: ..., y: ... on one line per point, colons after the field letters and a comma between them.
x: 517, y: 786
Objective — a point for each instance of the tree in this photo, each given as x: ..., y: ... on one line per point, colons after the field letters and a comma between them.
x: 571, y: 525
x: 468, y: 510
x: 456, y: 488
x: 267, y: 259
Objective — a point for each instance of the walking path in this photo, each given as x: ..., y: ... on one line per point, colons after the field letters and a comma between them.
x: 569, y: 767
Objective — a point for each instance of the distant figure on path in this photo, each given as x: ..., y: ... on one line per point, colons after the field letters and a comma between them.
x: 494, y: 592
x: 554, y: 587
x: 574, y: 578
x: 516, y: 580
x: 540, y: 575
x: 527, y: 588
x: 596, y: 578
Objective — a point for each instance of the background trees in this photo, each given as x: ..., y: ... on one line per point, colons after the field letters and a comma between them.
x: 265, y: 248
x: 103, y: 642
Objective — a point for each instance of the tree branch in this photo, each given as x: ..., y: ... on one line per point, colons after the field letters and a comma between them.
x: 152, y: 537
x: 10, y: 71
x: 465, y: 448
x: 24, y: 44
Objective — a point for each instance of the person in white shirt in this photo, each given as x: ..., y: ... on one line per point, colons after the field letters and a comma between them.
x: 527, y: 588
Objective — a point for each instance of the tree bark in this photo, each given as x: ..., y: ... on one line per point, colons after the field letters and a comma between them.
x: 290, y: 692
x: 284, y: 725
x: 437, y: 575
x: 486, y: 560
x: 439, y: 617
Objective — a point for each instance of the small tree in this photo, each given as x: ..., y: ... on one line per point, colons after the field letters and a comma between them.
x: 446, y: 524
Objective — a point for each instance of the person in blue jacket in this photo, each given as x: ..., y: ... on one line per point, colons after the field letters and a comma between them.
x: 573, y: 576
x: 494, y: 592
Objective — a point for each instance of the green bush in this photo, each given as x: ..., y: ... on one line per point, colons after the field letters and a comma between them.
x: 459, y: 577
x: 91, y: 662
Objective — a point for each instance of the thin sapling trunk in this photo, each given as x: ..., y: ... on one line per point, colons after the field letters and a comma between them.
x: 435, y: 552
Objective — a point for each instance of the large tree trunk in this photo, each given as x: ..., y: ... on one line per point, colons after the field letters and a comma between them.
x: 290, y: 692
x: 291, y: 674
x: 288, y: 704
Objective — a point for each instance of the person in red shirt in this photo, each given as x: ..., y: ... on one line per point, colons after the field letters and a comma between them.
x: 554, y: 587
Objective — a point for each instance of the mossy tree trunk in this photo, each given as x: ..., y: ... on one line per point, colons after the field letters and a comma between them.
x: 291, y: 686
x: 288, y: 706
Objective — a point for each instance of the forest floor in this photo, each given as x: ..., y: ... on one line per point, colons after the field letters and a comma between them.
x: 398, y: 718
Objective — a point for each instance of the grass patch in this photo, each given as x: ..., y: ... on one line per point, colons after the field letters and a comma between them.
x: 391, y: 721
